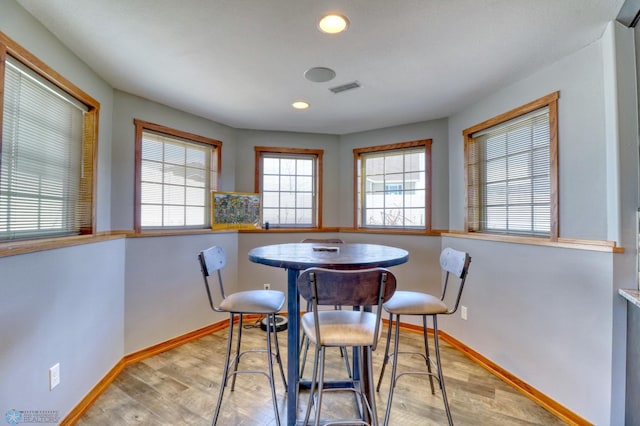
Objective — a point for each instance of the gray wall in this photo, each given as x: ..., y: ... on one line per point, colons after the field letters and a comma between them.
x: 129, y: 107
x: 64, y: 305
x: 435, y: 130
x: 557, y: 308
x: 549, y: 316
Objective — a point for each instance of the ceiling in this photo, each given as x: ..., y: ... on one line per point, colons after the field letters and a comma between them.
x: 242, y: 62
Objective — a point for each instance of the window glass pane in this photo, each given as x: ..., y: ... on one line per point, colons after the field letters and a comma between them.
x: 174, y: 154
x: 196, y: 177
x: 304, y: 200
x: 151, y: 193
x: 151, y: 215
x: 304, y: 183
x: 287, y: 183
x: 174, y: 215
x: 270, y: 199
x: 195, y: 197
x: 287, y: 199
x: 271, y: 166
x: 304, y: 167
x: 193, y: 215
x: 288, y: 216
x: 151, y: 172
x: 271, y: 183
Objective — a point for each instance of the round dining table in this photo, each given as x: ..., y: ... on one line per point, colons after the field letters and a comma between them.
x: 296, y: 257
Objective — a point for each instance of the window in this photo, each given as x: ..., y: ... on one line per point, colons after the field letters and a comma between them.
x: 49, y: 129
x: 175, y: 174
x: 511, y: 168
x: 393, y: 185
x: 290, y: 182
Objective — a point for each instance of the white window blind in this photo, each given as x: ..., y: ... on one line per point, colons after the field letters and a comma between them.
x: 176, y: 180
x: 509, y: 177
x: 41, y: 158
x: 393, y: 191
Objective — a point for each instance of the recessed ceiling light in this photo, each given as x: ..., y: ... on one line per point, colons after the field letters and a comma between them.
x: 333, y: 23
x: 319, y: 74
x: 300, y: 105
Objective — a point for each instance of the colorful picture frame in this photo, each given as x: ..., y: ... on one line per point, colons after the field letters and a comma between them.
x: 235, y: 210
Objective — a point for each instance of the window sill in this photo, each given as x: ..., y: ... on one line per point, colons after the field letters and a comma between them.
x: 287, y: 230
x: 13, y: 248
x: 571, y: 243
x: 394, y: 231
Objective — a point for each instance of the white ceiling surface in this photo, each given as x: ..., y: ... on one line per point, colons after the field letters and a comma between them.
x: 241, y: 62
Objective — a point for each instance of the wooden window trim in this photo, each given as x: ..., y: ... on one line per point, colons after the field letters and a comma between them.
x: 141, y: 126
x: 259, y: 150
x: 357, y: 154
x: 550, y: 101
x: 88, y: 182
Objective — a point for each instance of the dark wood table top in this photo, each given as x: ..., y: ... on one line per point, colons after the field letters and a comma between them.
x: 301, y: 256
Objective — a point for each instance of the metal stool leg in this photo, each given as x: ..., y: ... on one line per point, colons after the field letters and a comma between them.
x: 223, y: 382
x: 278, y: 357
x: 270, y: 363
x: 440, y: 375
x: 386, y: 352
x: 392, y: 384
x: 238, y: 353
x: 426, y: 353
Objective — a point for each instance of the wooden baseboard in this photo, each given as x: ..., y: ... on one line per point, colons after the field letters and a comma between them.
x: 132, y: 358
x: 532, y: 393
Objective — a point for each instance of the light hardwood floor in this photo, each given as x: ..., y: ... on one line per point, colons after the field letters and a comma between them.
x: 180, y: 387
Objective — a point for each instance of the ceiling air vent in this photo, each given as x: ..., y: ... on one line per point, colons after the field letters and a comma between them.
x: 344, y: 87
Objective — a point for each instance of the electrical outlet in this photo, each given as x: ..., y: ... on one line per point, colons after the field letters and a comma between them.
x: 54, y: 376
x: 267, y: 286
x: 463, y: 312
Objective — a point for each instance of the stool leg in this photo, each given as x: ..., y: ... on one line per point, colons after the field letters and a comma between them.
x: 370, y: 393
x: 237, y: 358
x: 278, y: 357
x: 440, y: 375
x: 271, y: 319
x: 426, y: 352
x: 386, y: 353
x: 314, y: 381
x: 392, y: 385
x: 320, y: 385
x: 225, y: 371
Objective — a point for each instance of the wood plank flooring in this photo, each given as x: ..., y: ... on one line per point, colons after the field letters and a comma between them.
x: 180, y: 387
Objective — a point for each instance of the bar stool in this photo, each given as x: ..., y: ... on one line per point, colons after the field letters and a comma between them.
x: 260, y: 302
x: 335, y: 328
x: 304, y: 342
x: 452, y: 262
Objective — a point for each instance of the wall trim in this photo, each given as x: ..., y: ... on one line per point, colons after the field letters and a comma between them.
x: 532, y: 393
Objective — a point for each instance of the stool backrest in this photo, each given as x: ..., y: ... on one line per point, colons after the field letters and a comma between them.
x: 454, y: 263
x: 212, y: 260
x: 365, y: 287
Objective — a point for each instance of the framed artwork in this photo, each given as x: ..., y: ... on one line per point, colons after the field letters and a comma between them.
x: 235, y: 210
